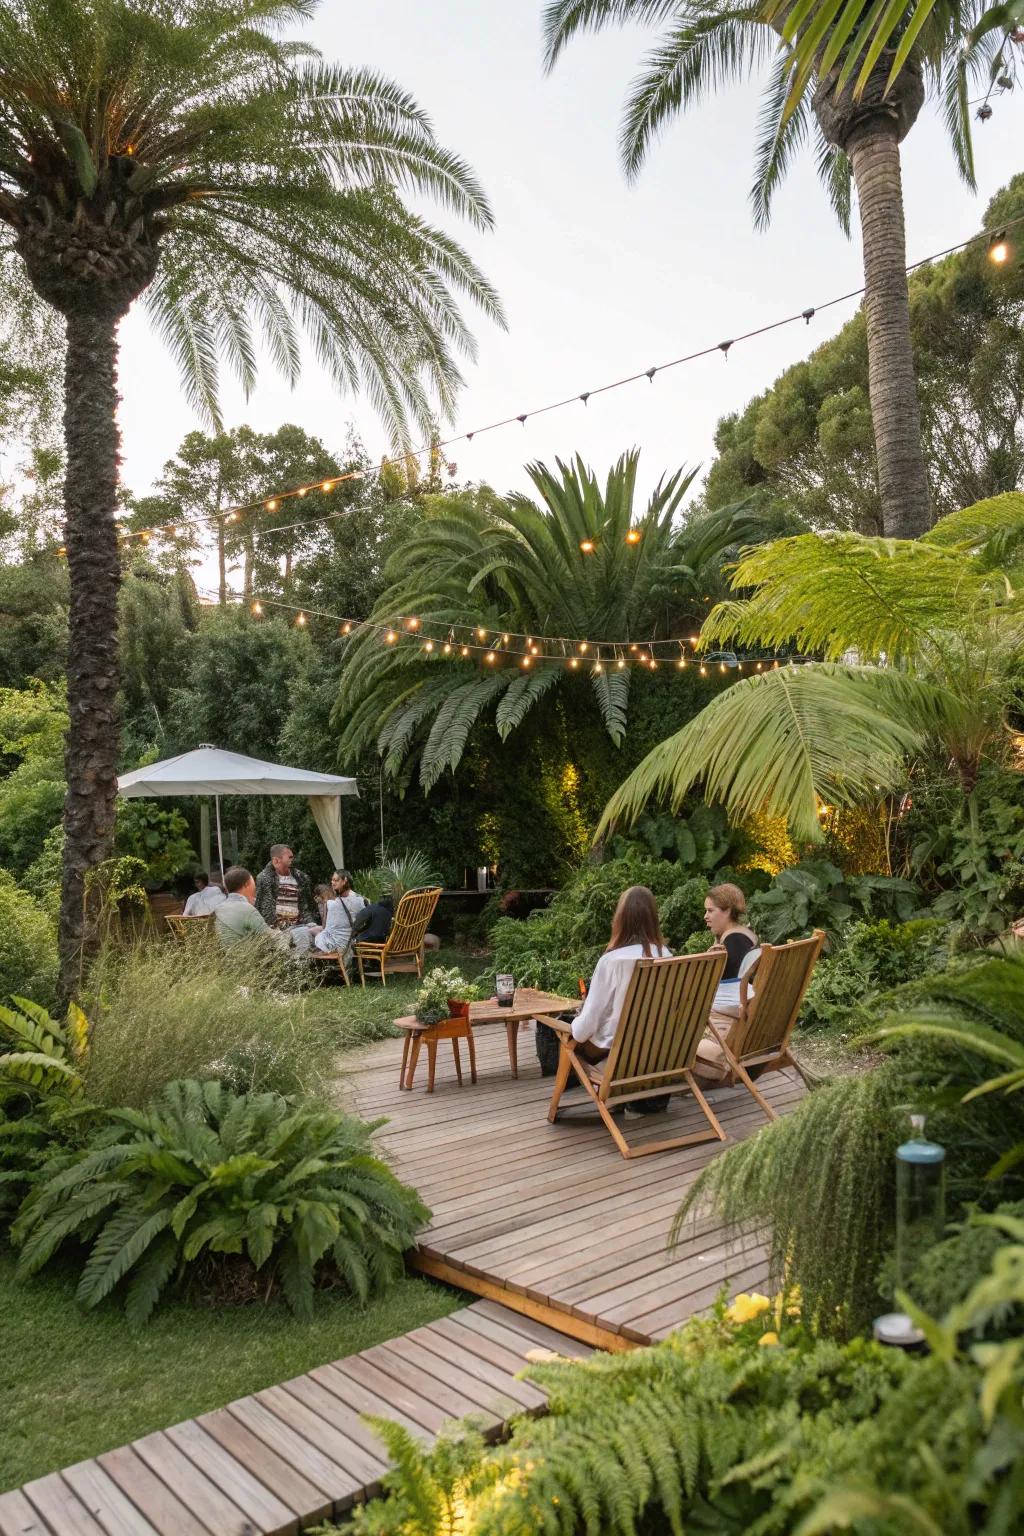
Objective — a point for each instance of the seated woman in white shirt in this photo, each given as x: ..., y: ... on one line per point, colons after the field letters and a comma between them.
x: 636, y: 934
x: 342, y: 911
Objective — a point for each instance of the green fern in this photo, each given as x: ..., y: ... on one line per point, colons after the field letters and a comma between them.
x: 207, y: 1172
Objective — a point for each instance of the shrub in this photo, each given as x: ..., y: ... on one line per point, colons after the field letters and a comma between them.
x: 208, y: 1176
x: 438, y: 988
x: 160, y: 1011
x: 816, y: 894
x: 873, y: 958
x: 157, y: 837
x: 28, y: 945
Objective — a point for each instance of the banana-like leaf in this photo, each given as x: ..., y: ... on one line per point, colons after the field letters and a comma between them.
x: 784, y: 742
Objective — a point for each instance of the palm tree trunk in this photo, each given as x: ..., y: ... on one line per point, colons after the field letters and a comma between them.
x: 91, y: 749
x: 874, y: 153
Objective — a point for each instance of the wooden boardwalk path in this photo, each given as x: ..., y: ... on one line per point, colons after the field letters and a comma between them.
x: 296, y: 1453
x: 549, y: 1219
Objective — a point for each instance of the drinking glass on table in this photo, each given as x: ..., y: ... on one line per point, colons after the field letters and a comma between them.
x: 505, y: 990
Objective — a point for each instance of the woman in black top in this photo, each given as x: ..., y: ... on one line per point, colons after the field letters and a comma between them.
x: 725, y: 910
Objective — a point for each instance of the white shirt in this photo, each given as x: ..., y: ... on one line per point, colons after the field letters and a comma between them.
x: 598, y: 1019
x: 202, y: 903
x: 337, y: 934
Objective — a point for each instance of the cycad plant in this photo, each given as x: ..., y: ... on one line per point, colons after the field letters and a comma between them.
x: 579, y: 564
x: 186, y: 151
x: 919, y: 640
x: 207, y: 1173
x: 856, y: 127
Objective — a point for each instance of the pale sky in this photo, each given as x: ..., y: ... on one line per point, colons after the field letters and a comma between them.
x: 598, y: 278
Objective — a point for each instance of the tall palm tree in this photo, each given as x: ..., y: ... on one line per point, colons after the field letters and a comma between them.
x: 184, y: 150
x: 858, y: 126
x: 577, y: 565
x: 937, y: 624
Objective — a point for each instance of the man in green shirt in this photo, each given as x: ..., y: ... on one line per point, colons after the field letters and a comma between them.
x: 236, y: 918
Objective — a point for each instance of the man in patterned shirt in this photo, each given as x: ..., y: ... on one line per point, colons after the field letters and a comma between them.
x: 284, y: 898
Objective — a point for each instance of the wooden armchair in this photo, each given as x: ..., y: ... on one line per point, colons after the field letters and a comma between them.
x: 663, y: 1020
x: 191, y: 931
x: 760, y: 1037
x: 402, y: 950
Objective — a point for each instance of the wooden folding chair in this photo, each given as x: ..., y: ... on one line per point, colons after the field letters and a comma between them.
x: 760, y: 1036
x: 402, y: 950
x: 663, y: 1019
x: 191, y: 930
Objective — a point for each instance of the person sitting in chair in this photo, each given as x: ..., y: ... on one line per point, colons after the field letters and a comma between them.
x: 725, y: 909
x: 343, y: 910
x: 284, y: 898
x: 237, y: 918
x: 373, y: 924
x: 204, y: 898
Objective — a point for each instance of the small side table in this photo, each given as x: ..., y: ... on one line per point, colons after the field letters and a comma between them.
x: 417, y: 1035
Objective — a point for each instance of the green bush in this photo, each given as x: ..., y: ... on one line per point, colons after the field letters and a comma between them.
x: 816, y: 894
x: 742, y: 1431
x: 872, y: 959
x: 155, y: 836
x: 161, y: 1011
x: 28, y: 945
x: 211, y: 1183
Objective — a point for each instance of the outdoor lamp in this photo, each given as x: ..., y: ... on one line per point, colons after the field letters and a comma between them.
x: 920, y: 1222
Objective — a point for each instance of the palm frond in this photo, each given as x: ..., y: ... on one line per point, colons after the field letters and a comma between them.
x: 564, y: 19
x: 783, y: 742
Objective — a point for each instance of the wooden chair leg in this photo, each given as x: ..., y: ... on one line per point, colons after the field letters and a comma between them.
x: 414, y: 1058
x: 512, y: 1034
x: 748, y: 1082
x: 458, y: 1058
x: 431, y: 1064
x: 472, y: 1053
x: 709, y: 1113
x: 344, y: 972
x: 362, y: 976
x: 565, y: 1066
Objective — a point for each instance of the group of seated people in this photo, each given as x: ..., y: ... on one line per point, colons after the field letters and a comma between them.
x: 636, y: 934
x: 279, y: 904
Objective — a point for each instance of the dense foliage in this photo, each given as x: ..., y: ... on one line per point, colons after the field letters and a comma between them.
x: 206, y: 1175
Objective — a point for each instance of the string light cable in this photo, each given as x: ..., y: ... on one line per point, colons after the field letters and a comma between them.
x: 495, y: 646
x: 995, y: 238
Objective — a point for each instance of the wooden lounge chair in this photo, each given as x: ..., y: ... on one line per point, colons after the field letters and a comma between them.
x: 760, y: 1036
x: 191, y: 930
x: 402, y: 950
x: 663, y: 1019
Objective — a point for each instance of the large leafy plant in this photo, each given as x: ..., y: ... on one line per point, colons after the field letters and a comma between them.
x: 816, y: 894
x: 209, y: 1176
x: 936, y: 625
x: 478, y: 567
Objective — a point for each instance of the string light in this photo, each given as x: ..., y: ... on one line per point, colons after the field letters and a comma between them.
x: 491, y: 657
x: 446, y: 648
x: 273, y: 504
x: 481, y: 634
x: 587, y: 546
x: 583, y: 647
x: 301, y: 491
x: 328, y: 485
x: 703, y: 670
x: 621, y: 663
x: 598, y: 667
x: 257, y: 608
x: 390, y: 637
x: 633, y: 536
x: 573, y: 662
x: 681, y: 663
x: 998, y: 250
x: 301, y: 620
x: 428, y: 646
x: 346, y: 628
x: 412, y: 623
x: 464, y: 651
x: 527, y: 661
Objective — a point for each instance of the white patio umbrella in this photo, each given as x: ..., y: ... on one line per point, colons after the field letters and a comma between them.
x: 211, y: 771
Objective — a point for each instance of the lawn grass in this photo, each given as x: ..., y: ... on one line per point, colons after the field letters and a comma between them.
x: 75, y: 1382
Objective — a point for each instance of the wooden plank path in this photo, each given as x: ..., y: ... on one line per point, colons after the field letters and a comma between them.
x: 549, y: 1219
x: 294, y: 1454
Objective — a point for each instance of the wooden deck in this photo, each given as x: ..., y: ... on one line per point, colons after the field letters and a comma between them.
x: 296, y: 1453
x: 549, y: 1219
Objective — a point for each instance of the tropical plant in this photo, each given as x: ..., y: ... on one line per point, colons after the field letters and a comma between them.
x: 857, y: 137
x: 157, y: 838
x: 815, y: 894
x: 936, y: 624
x: 188, y: 152
x: 581, y: 563
x: 208, y: 1175
x: 822, y: 1180
x: 873, y: 958
x: 440, y: 986
x: 40, y: 1055
x: 395, y: 874
x: 733, y: 1427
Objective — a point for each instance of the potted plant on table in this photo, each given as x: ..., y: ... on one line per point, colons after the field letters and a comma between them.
x: 445, y: 994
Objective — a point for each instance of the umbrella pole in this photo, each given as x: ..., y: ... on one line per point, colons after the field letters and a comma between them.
x: 220, y: 844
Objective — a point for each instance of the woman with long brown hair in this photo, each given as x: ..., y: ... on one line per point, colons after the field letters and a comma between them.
x: 636, y: 934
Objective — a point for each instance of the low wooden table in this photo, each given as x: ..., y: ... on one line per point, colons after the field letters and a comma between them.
x: 526, y: 1004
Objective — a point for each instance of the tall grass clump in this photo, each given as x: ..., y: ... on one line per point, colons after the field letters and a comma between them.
x: 160, y: 1012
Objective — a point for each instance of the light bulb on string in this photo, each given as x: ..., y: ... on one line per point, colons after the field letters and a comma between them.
x: 587, y: 546
x: 464, y: 651
x: 346, y: 628
x: 598, y: 667
x: 504, y: 639
x: 583, y: 647
x: 633, y: 536
x: 721, y: 666
x: 302, y: 490
x: 621, y: 663
x: 491, y: 657
x: 481, y: 633
x: 272, y: 504
x: 775, y: 664
x: 634, y: 649
x: 527, y: 661
x: 327, y: 485
x: 998, y: 250
x: 300, y: 620
x: 681, y: 663
x: 758, y: 668
x: 257, y: 608
x: 428, y: 646
x: 390, y: 637
x: 412, y: 623
x: 573, y: 662
x: 446, y: 648
x: 703, y: 670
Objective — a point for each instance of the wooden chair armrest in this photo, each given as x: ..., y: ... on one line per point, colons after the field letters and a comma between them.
x: 560, y: 1026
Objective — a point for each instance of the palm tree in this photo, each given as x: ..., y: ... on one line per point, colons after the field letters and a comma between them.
x: 578, y: 565
x: 184, y: 150
x: 936, y: 625
x: 857, y: 128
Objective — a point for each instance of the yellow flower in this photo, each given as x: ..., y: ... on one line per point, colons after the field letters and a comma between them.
x: 746, y: 1307
x: 768, y: 1338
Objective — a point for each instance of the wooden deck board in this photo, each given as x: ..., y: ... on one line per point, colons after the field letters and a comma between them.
x: 290, y: 1456
x: 549, y: 1218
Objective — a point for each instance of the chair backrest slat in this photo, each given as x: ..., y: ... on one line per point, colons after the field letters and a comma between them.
x: 411, y: 919
x: 664, y: 1015
x: 782, y: 977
